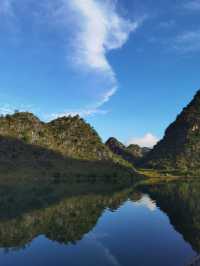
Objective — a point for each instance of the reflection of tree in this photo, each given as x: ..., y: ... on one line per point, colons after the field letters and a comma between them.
x: 180, y: 201
x: 65, y: 221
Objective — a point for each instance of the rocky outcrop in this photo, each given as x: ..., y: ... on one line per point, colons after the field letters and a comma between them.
x: 133, y: 153
x: 179, y: 150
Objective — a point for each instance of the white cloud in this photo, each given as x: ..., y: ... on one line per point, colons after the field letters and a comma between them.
x: 193, y: 5
x: 148, y: 140
x: 90, y: 110
x: 188, y: 42
x: 98, y: 30
x: 81, y: 112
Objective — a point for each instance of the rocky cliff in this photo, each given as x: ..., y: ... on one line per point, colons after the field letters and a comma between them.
x: 179, y: 150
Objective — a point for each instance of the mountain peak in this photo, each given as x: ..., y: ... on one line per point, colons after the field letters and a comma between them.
x: 132, y: 153
x: 23, y: 116
x: 180, y: 147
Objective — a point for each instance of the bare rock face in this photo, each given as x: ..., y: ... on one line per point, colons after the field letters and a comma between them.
x: 180, y: 148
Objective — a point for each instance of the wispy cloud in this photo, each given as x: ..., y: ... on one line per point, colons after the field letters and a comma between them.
x: 109, y: 256
x: 73, y: 112
x: 88, y: 110
x: 187, y: 42
x: 193, y: 5
x: 148, y: 140
x: 98, y: 29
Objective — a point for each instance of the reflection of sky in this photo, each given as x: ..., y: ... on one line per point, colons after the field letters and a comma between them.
x: 134, y: 235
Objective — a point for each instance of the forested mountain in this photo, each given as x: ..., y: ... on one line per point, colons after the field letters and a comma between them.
x: 65, y: 147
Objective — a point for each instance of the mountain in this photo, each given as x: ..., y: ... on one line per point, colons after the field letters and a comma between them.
x: 66, y: 146
x: 133, y: 153
x: 179, y: 150
x: 70, y: 136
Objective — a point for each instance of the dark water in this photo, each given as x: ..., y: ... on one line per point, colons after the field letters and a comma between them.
x: 158, y: 226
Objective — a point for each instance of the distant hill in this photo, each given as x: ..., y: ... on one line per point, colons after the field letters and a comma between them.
x: 179, y: 150
x: 66, y: 146
x: 133, y: 153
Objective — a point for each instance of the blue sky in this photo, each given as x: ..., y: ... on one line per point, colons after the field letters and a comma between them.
x: 128, y: 67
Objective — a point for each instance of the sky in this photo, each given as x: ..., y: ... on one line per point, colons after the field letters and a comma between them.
x: 128, y: 67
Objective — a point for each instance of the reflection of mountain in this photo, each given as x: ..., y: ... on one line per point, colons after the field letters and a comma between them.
x: 180, y: 201
x: 66, y: 221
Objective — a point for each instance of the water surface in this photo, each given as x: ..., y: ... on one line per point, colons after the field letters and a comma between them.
x: 158, y: 226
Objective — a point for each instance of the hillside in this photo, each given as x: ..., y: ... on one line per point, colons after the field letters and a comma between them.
x: 70, y: 136
x: 179, y: 150
x: 66, y: 146
x: 133, y: 153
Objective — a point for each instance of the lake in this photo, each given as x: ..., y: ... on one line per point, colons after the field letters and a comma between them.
x: 156, y: 226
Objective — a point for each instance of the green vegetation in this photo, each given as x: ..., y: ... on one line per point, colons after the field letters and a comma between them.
x: 64, y: 150
x: 178, y: 153
x: 132, y: 154
x: 25, y: 216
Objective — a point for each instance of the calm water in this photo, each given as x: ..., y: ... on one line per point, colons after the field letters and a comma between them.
x: 159, y: 226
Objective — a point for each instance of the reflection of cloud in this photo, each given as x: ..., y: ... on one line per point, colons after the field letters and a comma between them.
x: 96, y: 238
x: 111, y: 258
x: 147, y: 202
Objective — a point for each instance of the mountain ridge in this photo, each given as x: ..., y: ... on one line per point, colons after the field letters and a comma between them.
x: 132, y: 153
x: 62, y: 147
x: 179, y: 150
